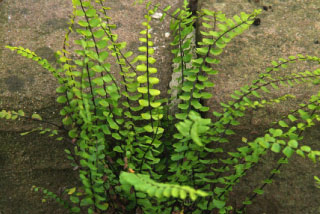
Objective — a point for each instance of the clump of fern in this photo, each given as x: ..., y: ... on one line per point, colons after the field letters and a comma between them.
x: 132, y: 154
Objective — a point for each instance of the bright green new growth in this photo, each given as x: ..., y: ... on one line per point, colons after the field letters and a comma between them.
x: 132, y: 155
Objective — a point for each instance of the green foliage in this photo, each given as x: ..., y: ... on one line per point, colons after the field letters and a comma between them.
x: 143, y: 183
x: 50, y: 195
x: 131, y: 154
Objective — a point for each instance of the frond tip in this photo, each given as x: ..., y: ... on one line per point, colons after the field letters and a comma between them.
x: 145, y: 184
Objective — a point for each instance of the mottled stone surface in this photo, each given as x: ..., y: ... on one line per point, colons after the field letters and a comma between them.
x: 30, y: 160
x: 129, y: 25
x: 287, y: 28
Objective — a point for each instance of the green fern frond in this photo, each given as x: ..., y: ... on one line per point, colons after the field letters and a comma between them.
x: 143, y: 183
x: 51, y: 195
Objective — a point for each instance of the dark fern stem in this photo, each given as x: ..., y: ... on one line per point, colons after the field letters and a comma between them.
x: 193, y: 6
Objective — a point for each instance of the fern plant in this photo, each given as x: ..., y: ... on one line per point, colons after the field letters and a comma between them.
x: 132, y: 152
